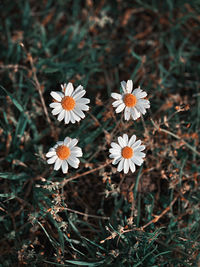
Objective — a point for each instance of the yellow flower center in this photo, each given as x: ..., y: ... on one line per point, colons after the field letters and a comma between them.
x: 130, y: 100
x: 127, y: 152
x: 63, y: 152
x: 68, y: 103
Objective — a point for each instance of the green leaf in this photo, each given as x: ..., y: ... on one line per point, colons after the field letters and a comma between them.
x: 14, y: 100
x: 13, y: 176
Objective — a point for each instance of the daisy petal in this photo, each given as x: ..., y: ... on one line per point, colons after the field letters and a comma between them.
x: 51, y: 149
x: 125, y: 137
x: 56, y: 110
x: 144, y: 103
x: 57, y: 164
x: 129, y: 86
x: 136, y: 144
x: 52, y: 160
x: 140, y: 148
x: 123, y: 85
x: 126, y: 166
x: 117, y: 103
x: 72, y: 117
x: 135, y: 114
x: 115, y: 151
x: 140, y: 93
x: 120, y: 108
x: 115, y: 145
x: 121, y: 142
x: 76, y: 152
x: 116, y: 96
x: 116, y: 160
x: 112, y: 156
x: 127, y: 114
x: 77, y: 118
x: 67, y: 117
x: 51, y: 154
x: 54, y: 105
x: 83, y: 101
x: 59, y: 143
x: 132, y: 165
x: 138, y: 161
x: 132, y: 140
x: 61, y: 115
x: 79, y: 112
x: 120, y: 166
x: 83, y: 107
x: 139, y: 154
x: 140, y: 108
x: 74, y: 162
x: 60, y: 94
x: 63, y: 87
x: 69, y: 89
x: 64, y: 166
x: 78, y: 89
x: 67, y: 141
x: 136, y: 91
x: 56, y: 96
x: 79, y: 94
x: 73, y: 143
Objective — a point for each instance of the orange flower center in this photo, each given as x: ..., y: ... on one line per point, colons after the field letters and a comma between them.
x: 68, y: 103
x: 127, y: 152
x: 130, y: 100
x: 63, y: 152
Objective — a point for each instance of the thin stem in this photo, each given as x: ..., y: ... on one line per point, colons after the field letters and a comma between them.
x: 65, y: 181
x: 157, y: 217
x: 87, y: 215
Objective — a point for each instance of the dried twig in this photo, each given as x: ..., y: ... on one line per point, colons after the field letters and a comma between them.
x: 88, y: 215
x: 65, y: 181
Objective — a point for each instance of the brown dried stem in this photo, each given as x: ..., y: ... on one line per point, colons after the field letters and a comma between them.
x: 87, y: 215
x: 65, y: 181
x: 157, y: 217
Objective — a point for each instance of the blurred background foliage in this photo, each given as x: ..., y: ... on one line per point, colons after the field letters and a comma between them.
x: 95, y: 216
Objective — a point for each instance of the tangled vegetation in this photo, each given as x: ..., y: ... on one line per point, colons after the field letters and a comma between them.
x: 96, y: 216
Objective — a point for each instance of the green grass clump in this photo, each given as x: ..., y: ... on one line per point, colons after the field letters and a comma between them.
x: 95, y: 216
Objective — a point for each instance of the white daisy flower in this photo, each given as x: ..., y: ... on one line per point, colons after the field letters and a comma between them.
x: 69, y: 104
x: 65, y: 153
x: 130, y: 100
x: 127, y: 153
